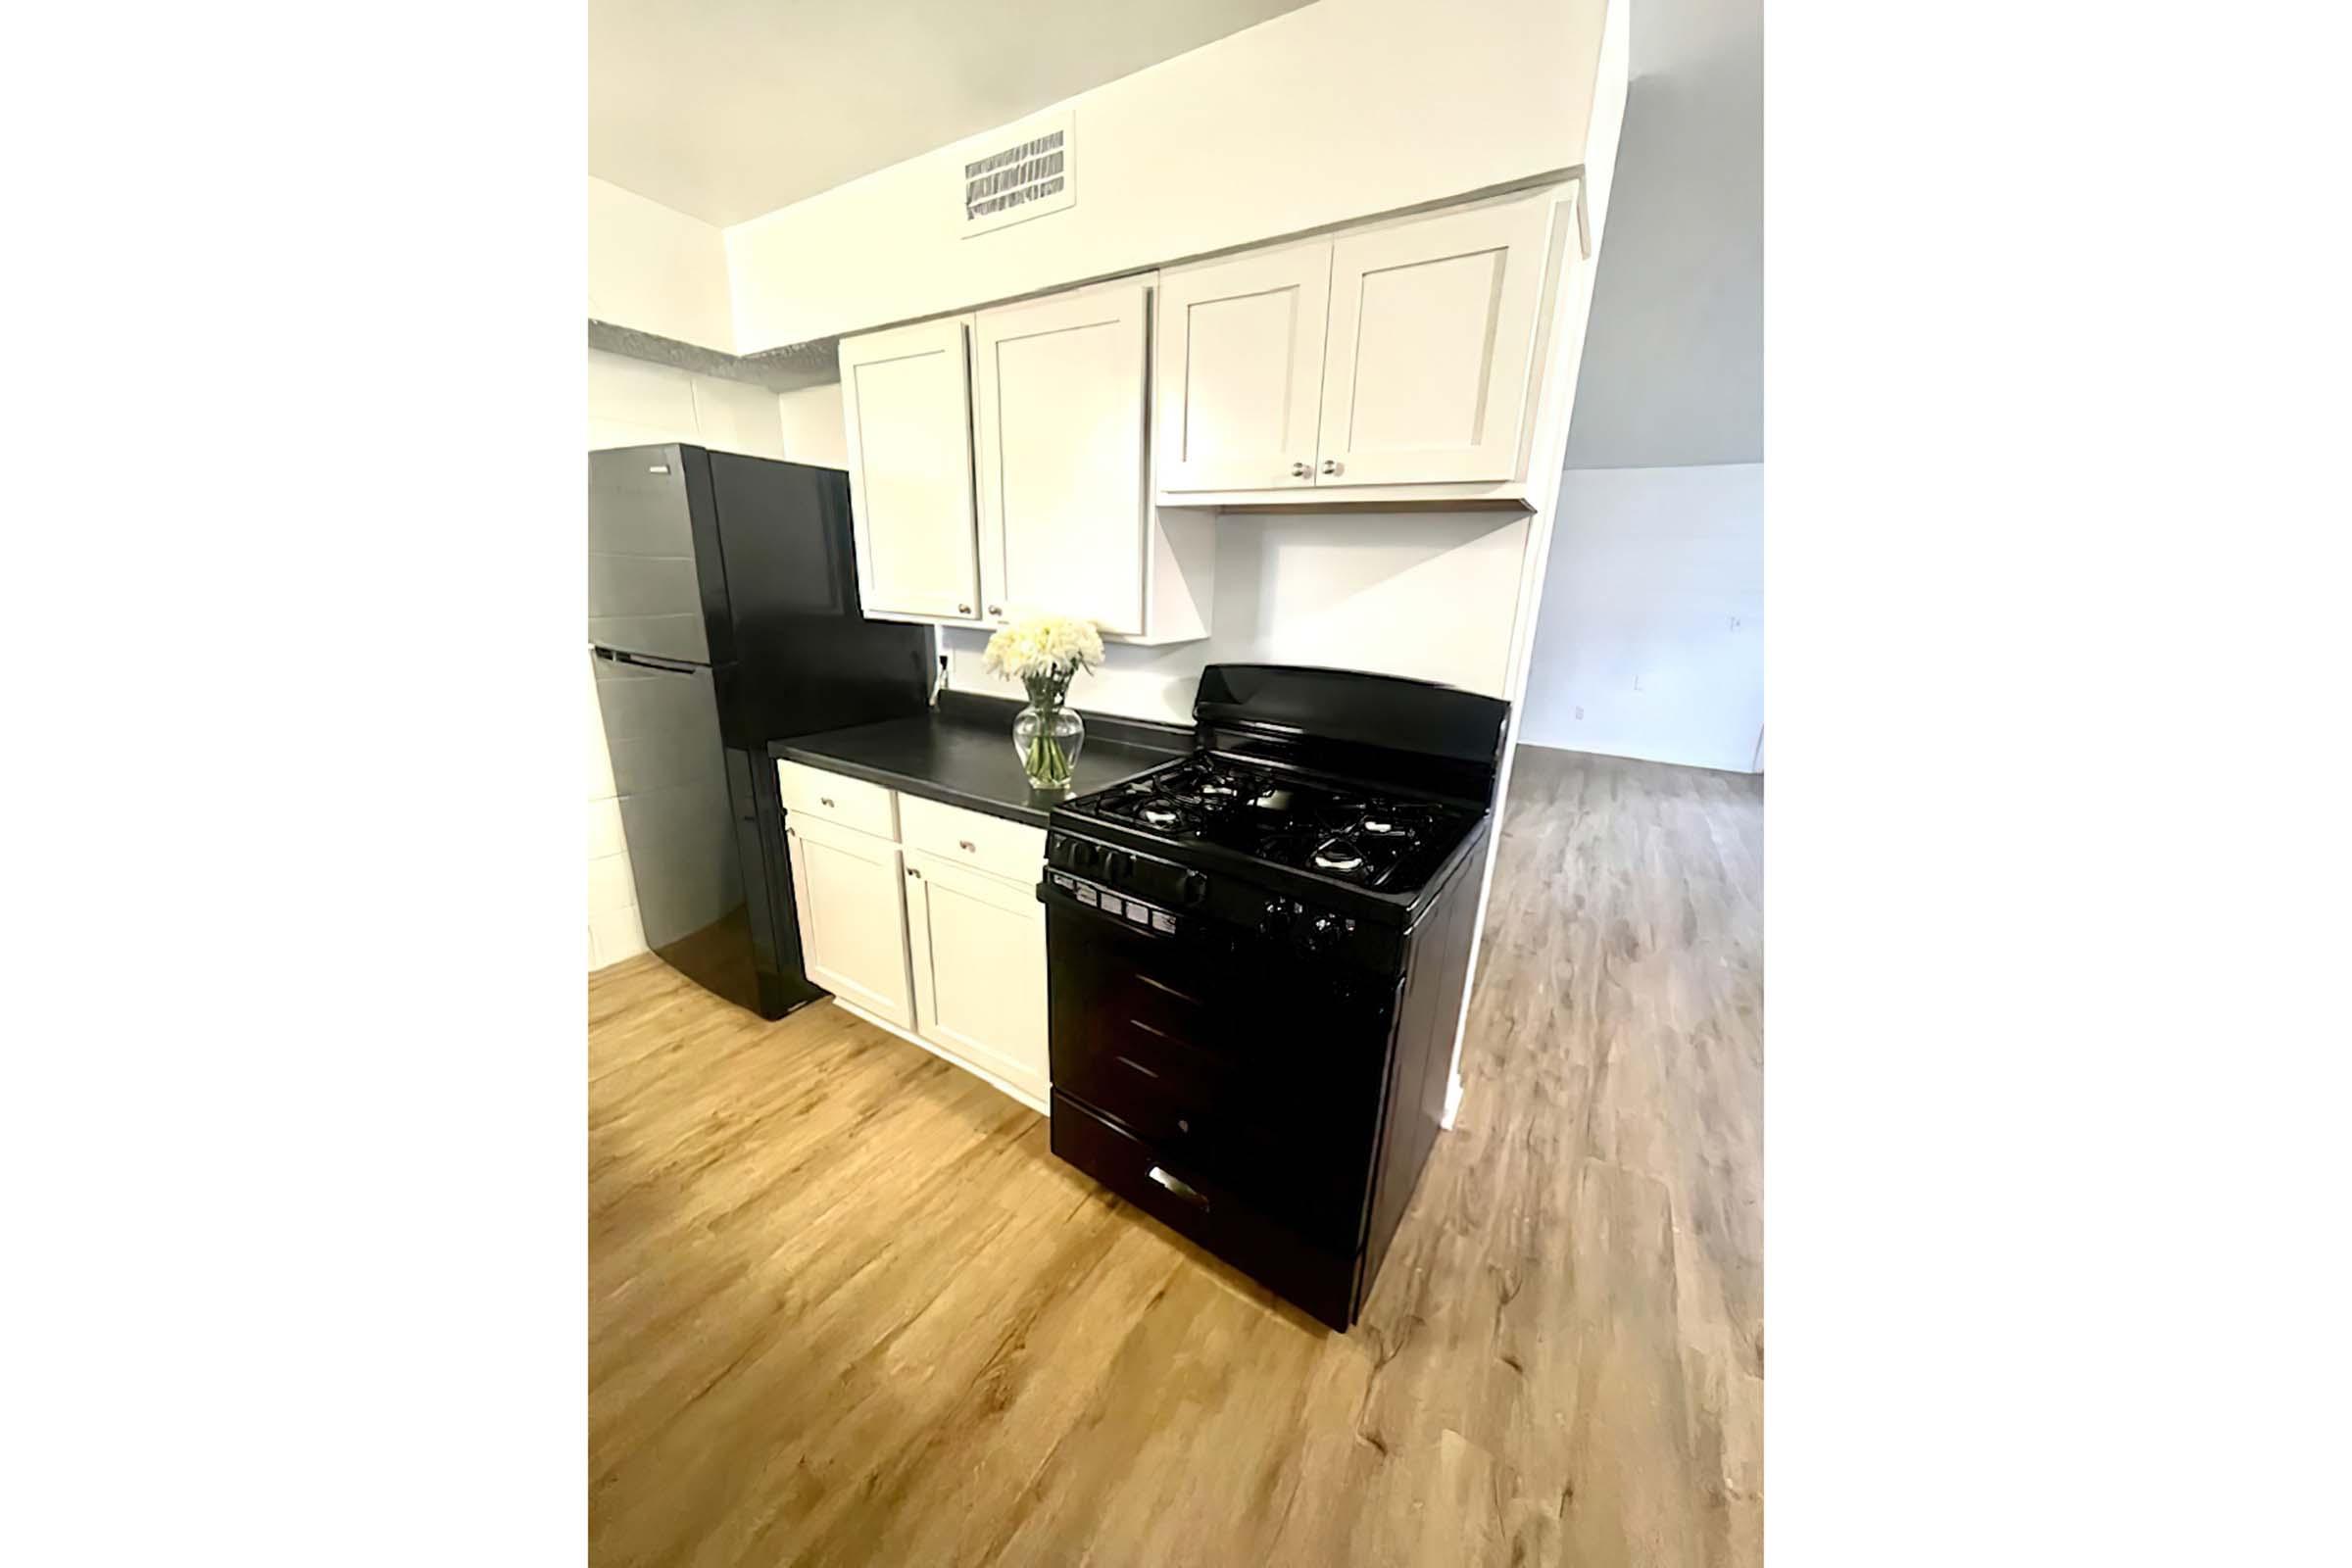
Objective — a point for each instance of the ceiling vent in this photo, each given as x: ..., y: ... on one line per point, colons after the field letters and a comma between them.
x: 1026, y: 174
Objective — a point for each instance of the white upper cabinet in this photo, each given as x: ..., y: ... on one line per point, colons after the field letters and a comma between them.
x: 1391, y: 363
x: 1433, y: 326
x: 1059, y: 397
x: 979, y: 950
x: 906, y: 400
x: 1240, y: 371
x: 1068, y: 454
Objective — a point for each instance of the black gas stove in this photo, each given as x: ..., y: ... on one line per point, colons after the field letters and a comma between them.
x: 1257, y: 961
x: 1363, y: 835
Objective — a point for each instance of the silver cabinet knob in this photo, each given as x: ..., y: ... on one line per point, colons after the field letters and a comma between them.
x: 1331, y: 465
x: 963, y: 610
x: 825, y: 800
x: 965, y: 844
x: 994, y: 611
x: 1300, y: 470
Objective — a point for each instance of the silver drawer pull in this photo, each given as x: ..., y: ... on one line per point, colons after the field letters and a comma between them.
x: 825, y: 800
x: 1162, y: 985
x: 968, y: 846
x: 1179, y: 1187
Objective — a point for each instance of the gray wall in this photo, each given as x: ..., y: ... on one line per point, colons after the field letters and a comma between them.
x: 1649, y: 642
x: 1673, y: 358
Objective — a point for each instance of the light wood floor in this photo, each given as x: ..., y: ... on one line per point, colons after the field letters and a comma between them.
x: 845, y: 1308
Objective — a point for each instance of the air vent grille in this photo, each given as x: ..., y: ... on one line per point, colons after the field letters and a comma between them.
x: 1024, y: 178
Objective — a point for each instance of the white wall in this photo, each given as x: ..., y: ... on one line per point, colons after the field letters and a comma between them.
x: 655, y: 269
x: 631, y: 403
x: 1328, y: 114
x: 1652, y: 636
x: 1427, y: 595
x: 814, y: 428
x: 1658, y: 548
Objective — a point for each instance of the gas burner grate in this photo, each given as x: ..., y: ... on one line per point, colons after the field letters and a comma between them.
x: 1326, y: 827
x: 1340, y: 854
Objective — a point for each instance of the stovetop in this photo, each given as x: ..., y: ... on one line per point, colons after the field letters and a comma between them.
x: 1335, y: 828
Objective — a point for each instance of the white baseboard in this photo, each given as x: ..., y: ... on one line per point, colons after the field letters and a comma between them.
x: 947, y: 1056
x: 1453, y: 1102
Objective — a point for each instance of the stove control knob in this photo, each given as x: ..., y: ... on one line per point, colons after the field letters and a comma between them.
x: 1277, y: 916
x: 1196, y: 888
x: 1322, y: 932
x: 1116, y: 863
x: 1085, y: 856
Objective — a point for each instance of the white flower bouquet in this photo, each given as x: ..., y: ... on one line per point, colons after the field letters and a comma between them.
x: 1044, y: 652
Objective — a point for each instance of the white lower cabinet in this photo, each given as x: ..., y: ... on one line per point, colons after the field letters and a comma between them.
x: 847, y: 889
x: 979, y: 949
x: 941, y: 938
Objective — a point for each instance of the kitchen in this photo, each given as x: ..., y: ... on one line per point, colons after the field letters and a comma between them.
x: 1292, y: 485
x: 1174, y: 866
x: 1041, y: 455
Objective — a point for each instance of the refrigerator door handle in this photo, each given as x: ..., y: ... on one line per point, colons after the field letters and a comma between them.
x: 672, y: 665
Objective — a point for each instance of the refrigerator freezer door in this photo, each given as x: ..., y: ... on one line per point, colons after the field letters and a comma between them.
x: 644, y: 593
x: 806, y: 658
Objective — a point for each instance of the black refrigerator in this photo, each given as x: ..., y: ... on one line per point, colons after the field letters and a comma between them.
x: 723, y: 614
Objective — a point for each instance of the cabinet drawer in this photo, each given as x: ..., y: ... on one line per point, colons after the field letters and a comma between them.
x: 838, y: 798
x: 1015, y: 850
x: 1320, y: 1279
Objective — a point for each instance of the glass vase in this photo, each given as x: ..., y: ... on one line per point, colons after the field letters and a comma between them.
x: 1047, y: 737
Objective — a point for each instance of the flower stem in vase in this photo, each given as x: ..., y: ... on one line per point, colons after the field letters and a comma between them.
x: 1044, y: 652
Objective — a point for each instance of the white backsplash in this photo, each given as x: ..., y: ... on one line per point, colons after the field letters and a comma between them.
x: 1424, y: 594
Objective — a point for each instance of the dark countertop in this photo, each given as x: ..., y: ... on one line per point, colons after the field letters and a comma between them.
x: 961, y: 753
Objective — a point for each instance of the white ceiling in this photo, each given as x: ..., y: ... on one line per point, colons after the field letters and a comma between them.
x: 728, y: 109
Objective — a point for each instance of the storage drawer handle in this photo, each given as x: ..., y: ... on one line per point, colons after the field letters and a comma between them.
x: 1162, y: 985
x: 968, y: 846
x: 1179, y: 1187
x: 1130, y: 1062
x: 825, y: 800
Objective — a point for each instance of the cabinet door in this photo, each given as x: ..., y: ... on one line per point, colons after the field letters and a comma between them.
x: 1059, y: 427
x: 1432, y: 326
x: 1240, y: 377
x: 979, y: 946
x: 846, y: 886
x: 907, y: 401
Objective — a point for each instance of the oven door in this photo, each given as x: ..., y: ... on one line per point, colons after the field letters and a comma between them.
x: 1246, y: 1065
